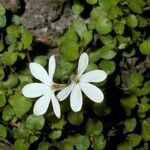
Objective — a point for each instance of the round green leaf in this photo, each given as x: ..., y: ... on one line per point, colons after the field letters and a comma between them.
x: 7, y: 113
x: 3, y: 132
x: 107, y: 66
x: 2, y: 10
x: 55, y: 134
x: 2, y: 73
x: 2, y: 99
x: 103, y: 26
x: 99, y: 142
x: 42, y: 60
x: 35, y: 122
x: 145, y: 47
x: 20, y: 104
x: 134, y: 139
x: 43, y: 146
x: 132, y: 21
x: 20, y: 144
x: 130, y: 124
x: 9, y: 58
x: 146, y: 129
x: 94, y: 127
x: 75, y: 118
x: 77, y: 7
x: 2, y: 21
x: 92, y: 2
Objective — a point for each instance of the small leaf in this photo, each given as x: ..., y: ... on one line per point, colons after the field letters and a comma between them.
x: 134, y: 139
x: 2, y: 21
x: 21, y: 144
x: 94, y: 127
x: 3, y: 132
x: 26, y: 39
x: 2, y: 99
x: 55, y: 134
x: 1, y: 46
x: 144, y: 47
x: 146, y: 129
x: 132, y: 21
x: 14, y: 31
x: 103, y: 26
x: 98, y: 142
x: 35, y: 122
x: 77, y: 7
x: 43, y: 146
x: 58, y: 124
x: 130, y: 124
x: 91, y: 2
x: 107, y: 66
x: 75, y: 118
x: 2, y: 10
x: 8, y: 58
x: 7, y: 113
x: 20, y: 104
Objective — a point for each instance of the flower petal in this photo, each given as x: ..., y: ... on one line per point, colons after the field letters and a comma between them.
x: 83, y: 63
x: 92, y: 92
x: 39, y: 73
x: 56, y: 106
x: 41, y: 105
x: 63, y: 94
x: 94, y: 76
x: 76, y: 99
x: 52, y: 66
x: 33, y: 90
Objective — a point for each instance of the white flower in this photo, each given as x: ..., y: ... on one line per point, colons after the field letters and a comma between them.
x: 81, y: 82
x: 44, y: 90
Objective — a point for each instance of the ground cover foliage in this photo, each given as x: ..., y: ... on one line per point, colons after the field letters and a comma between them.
x: 115, y: 35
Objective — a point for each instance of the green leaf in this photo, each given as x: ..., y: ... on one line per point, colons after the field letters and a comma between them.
x: 75, y: 118
x: 98, y: 142
x: 1, y: 46
x: 79, y: 26
x: 21, y: 144
x: 107, y: 66
x: 86, y: 38
x: 136, y: 79
x: 66, y: 146
x: 35, y: 122
x: 106, y: 53
x: 130, y: 124
x: 3, y: 132
x: 144, y: 47
x: 11, y: 82
x: 58, y: 124
x: 91, y: 2
x: 118, y: 27
x: 125, y: 146
x: 64, y: 69
x: 41, y: 59
x: 77, y: 7
x: 16, y: 19
x: 134, y: 139
x: 136, y: 5
x: 142, y: 21
x: 103, y: 26
x: 2, y: 73
x: 9, y: 58
x: 108, y: 40
x: 14, y: 31
x: 94, y: 127
x: 2, y: 10
x: 26, y: 39
x: 145, y: 89
x: 10, y: 39
x: 2, y: 99
x: 146, y: 129
x: 2, y: 21
x: 129, y: 102
x: 69, y: 52
x: 43, y: 146
x: 81, y: 142
x: 132, y: 21
x: 114, y: 12
x: 55, y: 134
x: 106, y: 4
x: 21, y: 105
x: 7, y: 113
